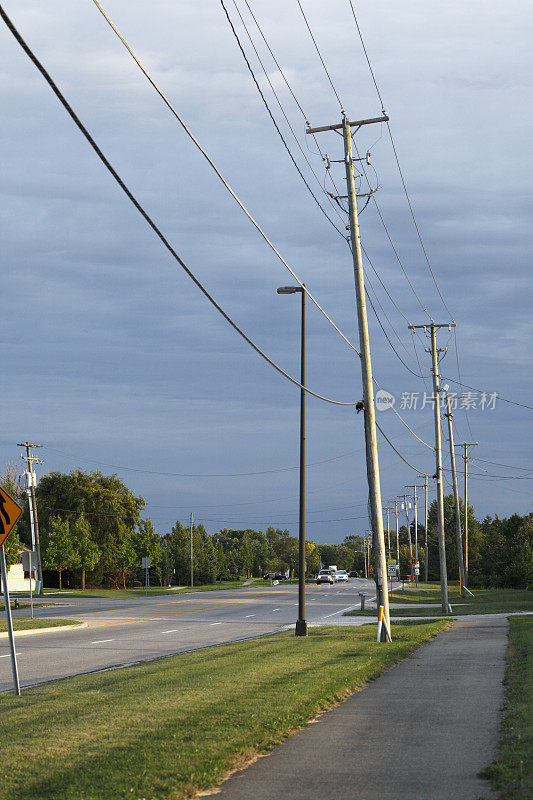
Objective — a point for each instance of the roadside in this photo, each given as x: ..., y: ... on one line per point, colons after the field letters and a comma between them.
x: 23, y: 623
x: 511, y: 774
x: 425, y: 602
x: 423, y: 730
x: 169, y: 727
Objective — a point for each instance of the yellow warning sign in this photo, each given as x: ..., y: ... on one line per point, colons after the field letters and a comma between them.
x: 371, y: 570
x: 413, y: 561
x: 10, y: 512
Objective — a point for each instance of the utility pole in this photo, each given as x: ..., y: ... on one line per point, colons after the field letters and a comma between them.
x: 388, y: 532
x: 425, y: 528
x: 30, y: 459
x: 372, y: 463
x: 406, y: 508
x: 192, y: 562
x: 438, y: 455
x: 458, y: 537
x: 466, y: 445
x: 397, y: 535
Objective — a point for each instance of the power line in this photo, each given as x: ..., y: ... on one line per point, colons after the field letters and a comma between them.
x: 276, y: 126
x: 498, y: 464
x: 148, y: 219
x: 483, y: 391
x: 320, y: 55
x: 201, y: 474
x: 289, y: 87
x: 398, y: 162
x: 416, y: 469
x: 218, y: 173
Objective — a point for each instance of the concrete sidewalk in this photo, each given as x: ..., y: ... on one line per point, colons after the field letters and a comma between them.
x: 421, y: 731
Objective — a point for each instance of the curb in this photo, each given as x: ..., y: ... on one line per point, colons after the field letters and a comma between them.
x: 58, y: 629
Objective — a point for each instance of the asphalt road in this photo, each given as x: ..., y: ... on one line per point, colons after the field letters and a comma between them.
x: 126, y: 631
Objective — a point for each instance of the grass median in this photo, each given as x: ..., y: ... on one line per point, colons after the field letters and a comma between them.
x: 485, y: 601
x: 25, y: 624
x: 155, y: 591
x: 512, y: 772
x: 166, y: 729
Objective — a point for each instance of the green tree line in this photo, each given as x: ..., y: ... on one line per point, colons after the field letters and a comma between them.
x: 92, y: 533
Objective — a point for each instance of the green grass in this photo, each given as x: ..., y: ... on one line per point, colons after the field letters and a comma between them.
x: 161, y: 731
x: 24, y: 605
x: 485, y: 601
x: 24, y: 624
x: 155, y: 591
x: 512, y: 772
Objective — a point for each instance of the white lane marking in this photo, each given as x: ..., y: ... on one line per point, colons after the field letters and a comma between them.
x: 174, y: 630
x: 249, y: 615
x: 216, y: 623
x: 101, y: 641
x: 276, y: 609
x: 17, y: 654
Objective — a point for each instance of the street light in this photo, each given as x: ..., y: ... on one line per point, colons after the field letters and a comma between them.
x: 301, y: 624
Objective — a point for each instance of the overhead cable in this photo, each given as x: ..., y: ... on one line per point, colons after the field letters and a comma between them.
x: 320, y: 55
x: 398, y: 163
x: 276, y: 126
x: 218, y: 173
x: 148, y: 219
x: 418, y: 470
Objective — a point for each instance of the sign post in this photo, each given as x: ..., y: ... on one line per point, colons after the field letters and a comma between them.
x: 146, y: 563
x: 10, y: 512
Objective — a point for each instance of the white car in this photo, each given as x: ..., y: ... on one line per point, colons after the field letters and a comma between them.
x: 324, y: 576
x: 341, y: 576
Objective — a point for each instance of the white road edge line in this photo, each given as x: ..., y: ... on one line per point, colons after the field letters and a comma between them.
x: 101, y: 641
x: 216, y: 623
x: 249, y: 615
x: 174, y: 630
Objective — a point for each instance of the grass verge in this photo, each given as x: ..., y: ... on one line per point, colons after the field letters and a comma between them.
x: 166, y: 729
x: 485, y: 601
x: 24, y: 624
x: 512, y: 772
x: 155, y: 591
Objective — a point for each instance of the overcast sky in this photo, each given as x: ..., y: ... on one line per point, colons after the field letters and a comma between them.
x: 114, y: 360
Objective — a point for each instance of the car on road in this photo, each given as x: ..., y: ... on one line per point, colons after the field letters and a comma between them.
x: 324, y: 576
x: 341, y: 576
x: 276, y: 576
x: 353, y: 574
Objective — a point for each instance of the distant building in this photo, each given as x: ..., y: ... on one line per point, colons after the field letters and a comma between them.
x: 17, y: 579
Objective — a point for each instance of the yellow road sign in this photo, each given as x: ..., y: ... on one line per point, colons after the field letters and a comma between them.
x: 413, y: 561
x: 371, y: 570
x: 9, y: 514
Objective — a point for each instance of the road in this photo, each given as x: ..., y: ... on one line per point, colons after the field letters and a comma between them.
x: 126, y: 631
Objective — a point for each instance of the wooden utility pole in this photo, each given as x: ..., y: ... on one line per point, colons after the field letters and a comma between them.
x: 438, y: 455
x: 458, y: 537
x: 30, y: 459
x: 388, y: 532
x: 426, y: 554
x: 372, y: 463
x: 397, y: 535
x: 192, y: 562
x: 406, y: 509
x: 466, y: 445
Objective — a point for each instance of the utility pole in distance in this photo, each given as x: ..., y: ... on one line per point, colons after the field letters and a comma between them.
x: 466, y: 445
x: 458, y: 537
x: 372, y: 463
x: 30, y: 459
x: 192, y: 562
x: 426, y: 554
x: 433, y: 327
x: 414, y: 487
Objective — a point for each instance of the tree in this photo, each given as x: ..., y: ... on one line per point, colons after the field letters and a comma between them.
x: 59, y: 552
x: 123, y: 551
x: 87, y: 550
x: 147, y: 544
x: 452, y: 563
x: 105, y: 501
x: 9, y: 482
